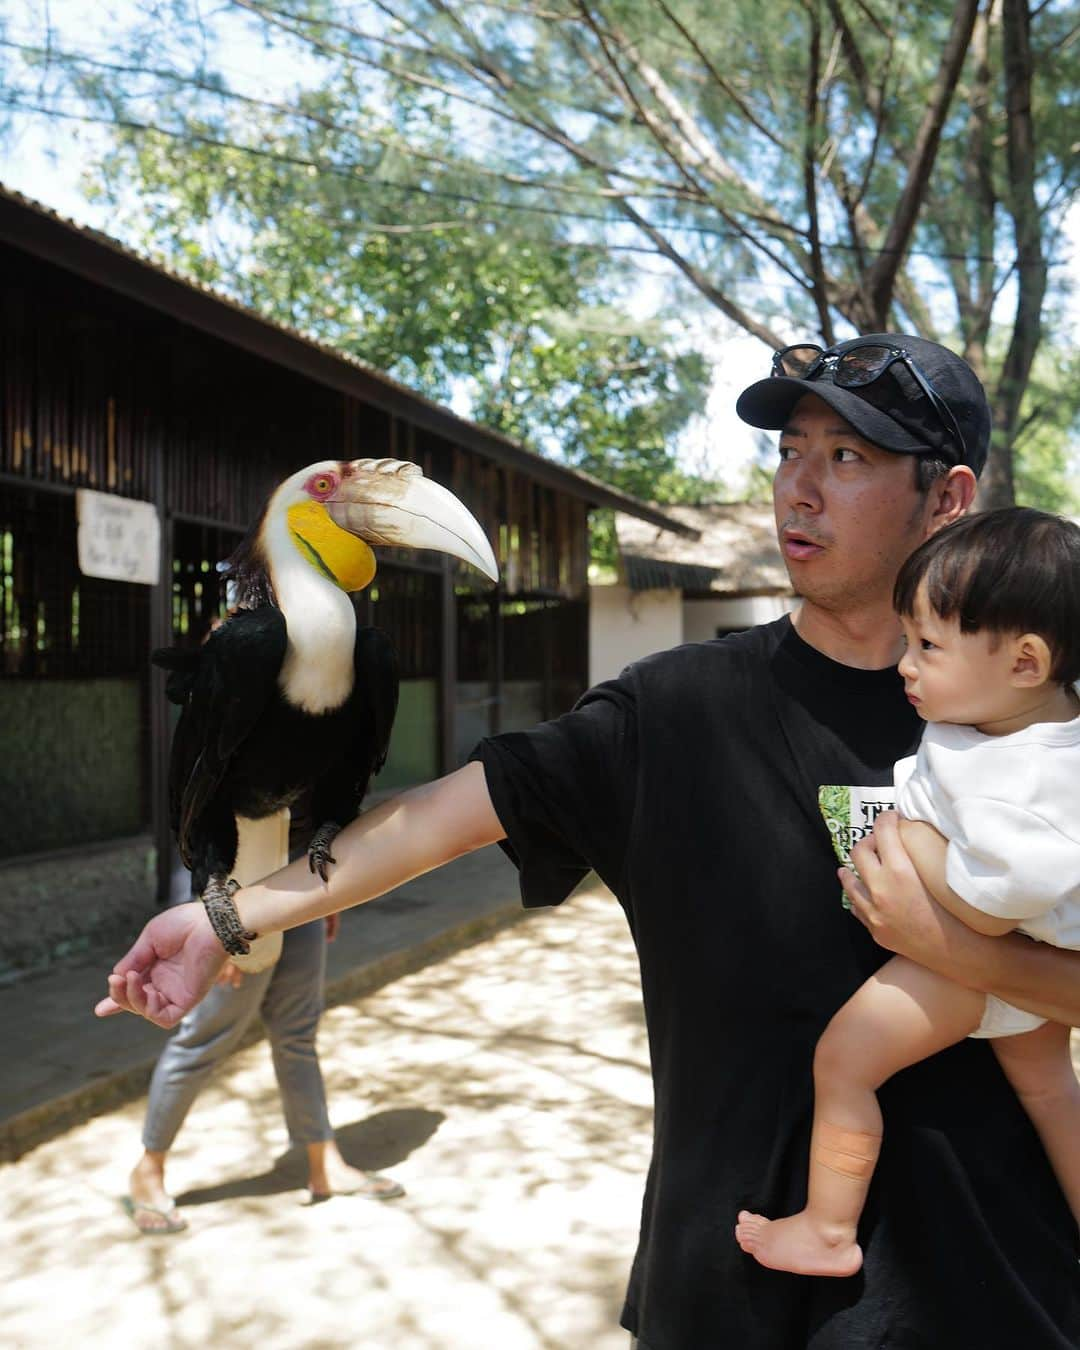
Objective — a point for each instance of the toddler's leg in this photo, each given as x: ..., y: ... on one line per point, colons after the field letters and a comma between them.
x: 901, y: 1015
x: 1038, y: 1064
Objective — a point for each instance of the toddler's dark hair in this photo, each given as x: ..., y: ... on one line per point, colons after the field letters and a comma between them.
x: 1015, y: 570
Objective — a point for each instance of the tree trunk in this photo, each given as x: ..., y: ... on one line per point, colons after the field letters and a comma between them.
x: 998, y: 488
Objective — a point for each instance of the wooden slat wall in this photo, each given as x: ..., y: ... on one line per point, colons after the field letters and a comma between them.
x: 540, y: 536
x: 405, y: 604
x: 91, y: 384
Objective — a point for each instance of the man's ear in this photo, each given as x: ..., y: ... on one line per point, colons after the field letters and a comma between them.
x: 951, y: 496
x: 1032, y: 661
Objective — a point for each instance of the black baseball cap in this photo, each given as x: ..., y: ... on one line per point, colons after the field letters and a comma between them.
x: 891, y: 411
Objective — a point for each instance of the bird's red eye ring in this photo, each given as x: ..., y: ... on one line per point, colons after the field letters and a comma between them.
x: 321, y: 484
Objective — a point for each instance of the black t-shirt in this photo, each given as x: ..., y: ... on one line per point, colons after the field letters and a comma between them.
x: 690, y: 785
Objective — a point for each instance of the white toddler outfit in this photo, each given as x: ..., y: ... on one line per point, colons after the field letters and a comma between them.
x: 1009, y: 807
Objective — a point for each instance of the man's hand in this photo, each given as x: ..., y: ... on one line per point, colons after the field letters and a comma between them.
x: 333, y: 926
x: 169, y: 969
x: 888, y: 898
x: 903, y: 917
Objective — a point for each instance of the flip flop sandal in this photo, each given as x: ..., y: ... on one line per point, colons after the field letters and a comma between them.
x: 151, y: 1221
x: 376, y: 1187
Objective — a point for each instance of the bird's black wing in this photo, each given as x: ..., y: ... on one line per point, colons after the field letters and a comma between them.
x: 377, y: 674
x: 182, y: 663
x: 337, y: 795
x: 224, y: 687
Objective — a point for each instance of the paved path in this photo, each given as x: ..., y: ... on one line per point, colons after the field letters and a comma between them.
x: 506, y: 1086
x: 61, y: 1065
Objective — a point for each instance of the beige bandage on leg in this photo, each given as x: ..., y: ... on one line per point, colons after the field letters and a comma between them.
x: 850, y: 1153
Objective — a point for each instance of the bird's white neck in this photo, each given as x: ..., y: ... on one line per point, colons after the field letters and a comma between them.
x: 318, y: 671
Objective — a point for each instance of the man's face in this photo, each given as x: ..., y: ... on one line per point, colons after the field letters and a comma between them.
x: 847, y: 512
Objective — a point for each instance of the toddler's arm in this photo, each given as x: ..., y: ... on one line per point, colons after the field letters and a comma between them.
x: 888, y: 896
x: 926, y: 847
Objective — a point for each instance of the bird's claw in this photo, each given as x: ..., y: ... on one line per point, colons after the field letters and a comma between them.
x: 318, y: 863
x: 220, y: 887
x: 319, y: 855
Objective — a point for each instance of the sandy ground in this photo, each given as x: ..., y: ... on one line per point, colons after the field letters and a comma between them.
x: 506, y: 1087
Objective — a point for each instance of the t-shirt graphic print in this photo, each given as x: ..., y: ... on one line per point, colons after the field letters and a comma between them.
x: 849, y: 814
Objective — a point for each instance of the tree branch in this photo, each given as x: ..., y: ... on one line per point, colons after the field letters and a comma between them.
x: 721, y: 83
x: 854, y: 57
x: 654, y: 127
x: 878, y: 287
x: 702, y: 282
x: 705, y: 153
x: 819, y: 284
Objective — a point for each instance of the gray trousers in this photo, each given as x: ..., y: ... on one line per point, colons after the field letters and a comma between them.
x: 289, y: 996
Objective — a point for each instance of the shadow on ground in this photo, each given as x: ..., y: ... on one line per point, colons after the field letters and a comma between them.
x: 506, y: 1087
x: 377, y: 1144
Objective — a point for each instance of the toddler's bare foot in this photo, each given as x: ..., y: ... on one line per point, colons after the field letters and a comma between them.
x: 797, y: 1244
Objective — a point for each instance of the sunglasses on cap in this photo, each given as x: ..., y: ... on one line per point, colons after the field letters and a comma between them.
x: 858, y: 366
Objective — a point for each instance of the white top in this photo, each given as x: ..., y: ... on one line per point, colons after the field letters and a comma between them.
x: 1010, y: 808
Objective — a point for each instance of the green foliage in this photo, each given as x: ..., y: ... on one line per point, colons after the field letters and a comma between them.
x: 513, y: 320
x: 464, y: 194
x: 1047, y: 474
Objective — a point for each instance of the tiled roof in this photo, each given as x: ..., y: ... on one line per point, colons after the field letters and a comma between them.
x: 735, y: 554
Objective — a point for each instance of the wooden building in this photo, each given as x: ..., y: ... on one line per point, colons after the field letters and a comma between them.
x: 121, y: 377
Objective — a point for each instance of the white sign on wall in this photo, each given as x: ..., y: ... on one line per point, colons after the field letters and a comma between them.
x: 119, y: 539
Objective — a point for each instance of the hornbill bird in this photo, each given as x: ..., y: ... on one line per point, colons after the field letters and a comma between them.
x: 289, y: 694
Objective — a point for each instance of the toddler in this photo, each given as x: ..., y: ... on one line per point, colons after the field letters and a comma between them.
x: 990, y: 609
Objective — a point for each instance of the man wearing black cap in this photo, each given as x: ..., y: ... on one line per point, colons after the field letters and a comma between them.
x: 691, y: 785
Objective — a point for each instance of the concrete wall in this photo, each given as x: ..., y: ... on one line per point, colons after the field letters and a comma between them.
x: 70, y: 763
x: 414, y: 742
x: 60, y: 906
x: 702, y: 619
x: 625, y: 625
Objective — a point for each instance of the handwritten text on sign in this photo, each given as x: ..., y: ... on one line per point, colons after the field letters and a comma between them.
x: 118, y: 538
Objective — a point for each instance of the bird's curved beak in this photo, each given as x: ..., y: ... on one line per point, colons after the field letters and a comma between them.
x: 389, y: 501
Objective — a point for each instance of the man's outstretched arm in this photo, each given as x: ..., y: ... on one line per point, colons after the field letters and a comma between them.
x: 177, y: 957
x: 893, y: 904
